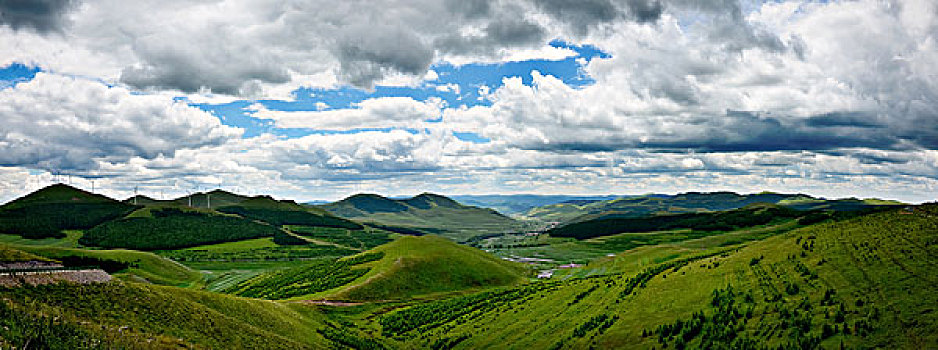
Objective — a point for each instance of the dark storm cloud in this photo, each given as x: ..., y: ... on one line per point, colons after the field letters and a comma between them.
x: 743, y: 131
x: 645, y: 10
x: 190, y: 77
x: 41, y: 15
x: 843, y: 119
x: 470, y: 8
x: 581, y: 15
x: 514, y: 32
x: 369, y: 52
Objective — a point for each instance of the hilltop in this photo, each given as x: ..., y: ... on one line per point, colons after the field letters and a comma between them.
x: 427, y: 213
x: 413, y: 266
x: 49, y: 211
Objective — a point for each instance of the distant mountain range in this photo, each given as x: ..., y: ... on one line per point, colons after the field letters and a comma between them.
x: 690, y: 202
x: 519, y: 203
x: 429, y: 213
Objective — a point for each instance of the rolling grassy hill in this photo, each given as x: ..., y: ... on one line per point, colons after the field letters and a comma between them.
x: 131, y: 315
x: 414, y: 266
x: 53, y: 209
x: 691, y: 202
x: 405, y: 268
x: 427, y: 213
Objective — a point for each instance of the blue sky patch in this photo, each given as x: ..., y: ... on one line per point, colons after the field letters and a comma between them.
x: 456, y: 85
x: 16, y: 73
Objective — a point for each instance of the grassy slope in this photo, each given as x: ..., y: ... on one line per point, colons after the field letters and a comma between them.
x: 10, y: 254
x: 69, y: 241
x: 148, y: 266
x: 884, y: 260
x: 414, y: 266
x: 136, y: 315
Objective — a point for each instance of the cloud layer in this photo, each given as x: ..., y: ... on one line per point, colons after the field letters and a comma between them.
x: 835, y: 97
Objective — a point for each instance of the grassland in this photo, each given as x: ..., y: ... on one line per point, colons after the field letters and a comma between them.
x: 308, y: 278
x: 863, y: 282
x: 363, y: 239
x: 259, y: 249
x: 130, y: 315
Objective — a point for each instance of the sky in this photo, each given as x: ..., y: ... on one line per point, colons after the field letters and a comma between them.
x: 318, y: 100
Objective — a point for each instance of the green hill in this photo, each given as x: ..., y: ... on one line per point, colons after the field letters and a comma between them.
x: 405, y: 268
x: 427, y: 213
x: 413, y: 266
x: 131, y: 315
x: 170, y: 228
x: 49, y: 211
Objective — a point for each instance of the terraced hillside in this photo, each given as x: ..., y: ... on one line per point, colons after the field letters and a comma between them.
x: 425, y: 213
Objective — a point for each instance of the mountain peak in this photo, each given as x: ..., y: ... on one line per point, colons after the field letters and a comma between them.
x: 57, y: 193
x: 372, y: 203
x: 427, y: 200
